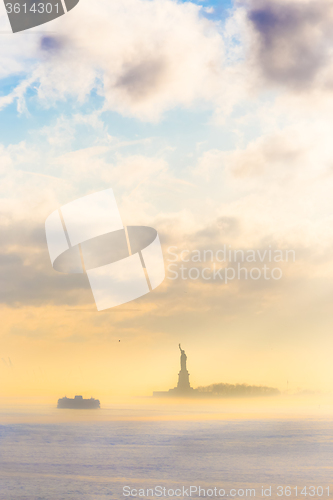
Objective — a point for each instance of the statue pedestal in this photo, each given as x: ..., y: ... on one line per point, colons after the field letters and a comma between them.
x: 183, y: 381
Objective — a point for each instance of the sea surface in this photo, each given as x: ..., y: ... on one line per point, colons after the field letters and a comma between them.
x: 47, y: 455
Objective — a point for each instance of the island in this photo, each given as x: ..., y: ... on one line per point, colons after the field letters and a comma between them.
x: 222, y: 390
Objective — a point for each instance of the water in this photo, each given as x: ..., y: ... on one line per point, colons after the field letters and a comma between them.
x: 83, y: 458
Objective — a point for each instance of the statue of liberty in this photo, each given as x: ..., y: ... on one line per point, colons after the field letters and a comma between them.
x: 183, y: 359
x: 183, y: 386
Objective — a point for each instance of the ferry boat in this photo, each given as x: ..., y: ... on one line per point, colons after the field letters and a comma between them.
x: 78, y: 403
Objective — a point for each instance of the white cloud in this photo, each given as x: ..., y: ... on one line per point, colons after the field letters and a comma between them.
x: 280, y: 184
x: 144, y: 57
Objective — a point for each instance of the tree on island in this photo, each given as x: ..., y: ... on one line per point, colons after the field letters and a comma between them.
x: 238, y: 390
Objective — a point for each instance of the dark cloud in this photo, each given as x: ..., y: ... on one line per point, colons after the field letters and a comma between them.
x: 26, y: 274
x: 27, y: 280
x: 141, y: 78
x: 51, y: 44
x: 27, y: 277
x: 293, y: 39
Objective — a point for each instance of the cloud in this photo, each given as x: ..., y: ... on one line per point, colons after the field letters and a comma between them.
x: 278, y: 150
x: 51, y: 43
x: 276, y: 190
x: 292, y: 41
x: 140, y: 78
x: 209, y: 163
x: 26, y: 275
x: 37, y: 179
x: 277, y: 184
x: 143, y: 57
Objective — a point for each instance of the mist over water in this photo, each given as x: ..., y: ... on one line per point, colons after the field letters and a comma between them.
x: 47, y: 454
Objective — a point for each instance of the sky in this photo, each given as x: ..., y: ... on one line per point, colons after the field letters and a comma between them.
x: 211, y: 121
